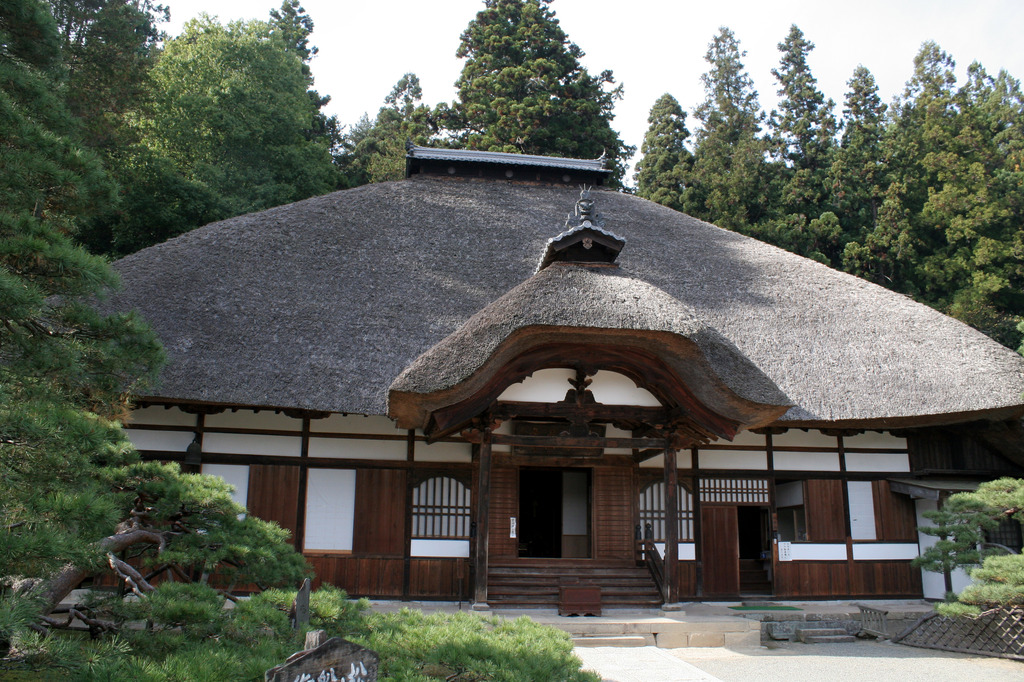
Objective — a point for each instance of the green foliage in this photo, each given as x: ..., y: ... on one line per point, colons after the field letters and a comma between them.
x: 661, y: 173
x: 414, y: 646
x: 522, y: 89
x: 959, y: 534
x: 998, y: 582
x: 730, y: 175
x: 231, y: 111
x: 376, y: 151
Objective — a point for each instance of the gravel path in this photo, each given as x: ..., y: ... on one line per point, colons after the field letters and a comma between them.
x: 862, y: 661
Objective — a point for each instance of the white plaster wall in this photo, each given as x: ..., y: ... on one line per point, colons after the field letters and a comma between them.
x: 884, y: 551
x: 251, y: 419
x: 684, y: 460
x: 161, y: 416
x: 574, y: 503
x: 252, y: 444
x: 457, y: 549
x: 330, y: 509
x: 875, y: 439
x: 875, y: 461
x: 354, y: 448
x: 612, y: 388
x: 551, y: 385
x: 733, y: 459
x: 789, y: 494
x: 355, y: 423
x: 804, y: 439
x: 686, y: 551
x: 172, y: 441
x: 443, y: 452
x: 933, y: 583
x: 543, y: 386
x: 806, y: 551
x: 611, y: 432
x: 805, y: 461
x: 236, y: 475
x: 862, y: 510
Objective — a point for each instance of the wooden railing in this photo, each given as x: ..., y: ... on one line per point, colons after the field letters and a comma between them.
x: 656, y: 565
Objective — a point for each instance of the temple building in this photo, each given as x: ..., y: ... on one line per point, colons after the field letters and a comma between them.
x: 496, y: 378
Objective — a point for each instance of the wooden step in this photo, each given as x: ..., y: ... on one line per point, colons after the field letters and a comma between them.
x: 534, y: 584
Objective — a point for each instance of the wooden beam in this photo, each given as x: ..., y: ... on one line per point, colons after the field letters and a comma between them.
x: 483, y: 507
x: 578, y: 442
x: 671, y: 525
x: 590, y: 412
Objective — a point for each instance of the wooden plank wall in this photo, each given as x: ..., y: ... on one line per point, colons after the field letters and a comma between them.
x: 824, y: 504
x: 362, y: 576
x: 895, y: 518
x: 273, y: 491
x: 439, y: 579
x: 504, y: 504
x: 380, y: 517
x: 841, y: 579
x: 686, y: 578
x: 720, y: 550
x: 613, y: 491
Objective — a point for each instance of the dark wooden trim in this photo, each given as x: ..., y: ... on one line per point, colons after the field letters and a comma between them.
x: 483, y: 503
x: 300, y: 503
x: 671, y: 524
x: 410, y: 486
x: 577, y: 442
x: 698, y: 552
x: 314, y: 462
x: 589, y: 412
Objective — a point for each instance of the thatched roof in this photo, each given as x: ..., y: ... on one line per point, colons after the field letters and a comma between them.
x: 323, y: 303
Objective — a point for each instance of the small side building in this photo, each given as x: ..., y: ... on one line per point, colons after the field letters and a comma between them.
x: 447, y: 388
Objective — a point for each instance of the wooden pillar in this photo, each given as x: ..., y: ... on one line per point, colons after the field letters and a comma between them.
x: 483, y: 508
x: 671, y: 525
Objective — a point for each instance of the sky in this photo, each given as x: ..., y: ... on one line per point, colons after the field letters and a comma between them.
x: 652, y: 46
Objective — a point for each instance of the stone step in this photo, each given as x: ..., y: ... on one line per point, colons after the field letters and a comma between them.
x: 828, y: 639
x: 617, y: 641
x: 823, y: 635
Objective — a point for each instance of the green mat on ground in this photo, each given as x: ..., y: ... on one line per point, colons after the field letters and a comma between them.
x: 765, y: 608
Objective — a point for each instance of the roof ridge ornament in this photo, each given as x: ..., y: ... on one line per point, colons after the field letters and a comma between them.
x: 585, y: 215
x: 584, y: 240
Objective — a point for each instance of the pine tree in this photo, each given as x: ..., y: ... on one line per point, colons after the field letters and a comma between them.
x: 661, y: 172
x: 857, y: 173
x: 522, y: 89
x: 729, y: 178
x: 802, y: 131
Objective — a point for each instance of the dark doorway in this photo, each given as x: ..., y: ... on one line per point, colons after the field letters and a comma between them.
x: 554, y: 513
x: 755, y: 550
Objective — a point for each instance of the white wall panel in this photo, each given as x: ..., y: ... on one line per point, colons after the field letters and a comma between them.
x: 172, y: 441
x: 355, y: 423
x: 330, y: 509
x: 873, y: 461
x: 543, y: 386
x: 161, y: 416
x: 353, y: 448
x: 612, y: 388
x: 456, y: 549
x: 444, y: 452
x: 789, y: 494
x: 733, y: 459
x: 252, y: 444
x: 875, y: 439
x: 798, y: 438
x: 234, y: 474
x: 805, y: 461
x: 884, y: 551
x: 862, y: 510
x: 253, y: 419
x: 687, y: 551
x: 684, y: 460
x: 806, y: 551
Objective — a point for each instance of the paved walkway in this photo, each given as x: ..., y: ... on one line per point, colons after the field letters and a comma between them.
x: 794, y: 662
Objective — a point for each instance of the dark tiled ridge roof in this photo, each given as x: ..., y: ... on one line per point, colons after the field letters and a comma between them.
x: 321, y: 304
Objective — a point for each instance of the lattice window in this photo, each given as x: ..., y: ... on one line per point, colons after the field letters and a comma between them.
x: 440, y: 509
x: 734, y: 490
x: 652, y: 511
x: 1007, y: 533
